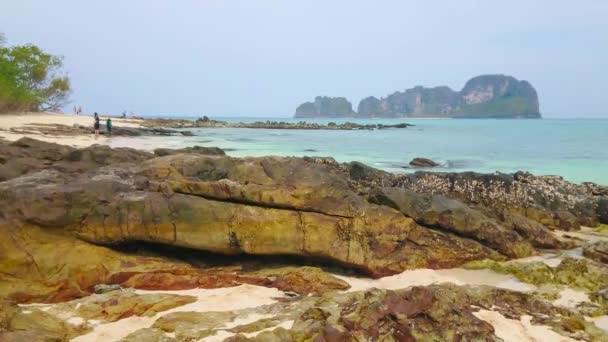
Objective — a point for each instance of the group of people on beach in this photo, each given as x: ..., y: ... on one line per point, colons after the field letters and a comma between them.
x: 97, y: 125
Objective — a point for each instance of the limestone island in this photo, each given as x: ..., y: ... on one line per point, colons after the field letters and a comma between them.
x: 486, y: 96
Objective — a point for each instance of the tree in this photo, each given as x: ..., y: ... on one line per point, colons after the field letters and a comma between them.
x: 31, y: 80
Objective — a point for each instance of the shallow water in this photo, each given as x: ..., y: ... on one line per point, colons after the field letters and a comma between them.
x: 572, y: 148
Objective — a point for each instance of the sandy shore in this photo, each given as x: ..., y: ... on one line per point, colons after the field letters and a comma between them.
x: 27, y: 123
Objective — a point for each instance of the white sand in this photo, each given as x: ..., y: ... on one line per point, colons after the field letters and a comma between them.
x: 21, y: 121
x: 511, y: 330
x: 601, y: 322
x: 224, y: 299
x: 571, y: 298
x: 423, y: 277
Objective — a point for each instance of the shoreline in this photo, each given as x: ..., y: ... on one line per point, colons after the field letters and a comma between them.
x: 148, y: 134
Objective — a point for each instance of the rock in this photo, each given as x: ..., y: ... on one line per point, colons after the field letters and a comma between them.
x: 302, y: 279
x: 194, y: 149
x: 29, y: 156
x: 539, y: 235
x: 332, y: 107
x: 154, y: 125
x: 602, y: 209
x: 539, y: 198
x: 147, y: 335
x: 454, y: 216
x: 103, y: 288
x: 359, y: 171
x: 31, y: 324
x: 210, y: 203
x: 423, y: 162
x: 117, y: 305
x: 597, y: 251
x: 192, y: 326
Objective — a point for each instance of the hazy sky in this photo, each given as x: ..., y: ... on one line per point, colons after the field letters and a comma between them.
x: 264, y: 57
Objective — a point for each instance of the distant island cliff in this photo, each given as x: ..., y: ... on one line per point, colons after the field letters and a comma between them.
x: 485, y: 96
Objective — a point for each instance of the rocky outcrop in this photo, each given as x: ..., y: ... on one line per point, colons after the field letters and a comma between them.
x: 257, y: 206
x: 325, y: 107
x: 423, y: 162
x: 161, y: 152
x: 485, y: 96
x: 59, y: 201
x: 31, y: 324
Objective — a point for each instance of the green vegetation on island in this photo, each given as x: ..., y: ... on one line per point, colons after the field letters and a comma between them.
x: 30, y: 79
x: 486, y: 96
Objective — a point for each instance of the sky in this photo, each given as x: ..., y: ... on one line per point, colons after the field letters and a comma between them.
x: 265, y: 57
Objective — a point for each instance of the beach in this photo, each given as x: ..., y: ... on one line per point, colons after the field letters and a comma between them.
x: 26, y: 125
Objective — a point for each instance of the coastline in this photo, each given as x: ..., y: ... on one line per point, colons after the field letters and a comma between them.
x: 440, y: 230
x: 504, y: 146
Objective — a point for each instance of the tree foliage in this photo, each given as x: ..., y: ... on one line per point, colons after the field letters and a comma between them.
x: 31, y: 80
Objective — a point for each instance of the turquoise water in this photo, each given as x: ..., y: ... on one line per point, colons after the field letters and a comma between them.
x: 576, y: 149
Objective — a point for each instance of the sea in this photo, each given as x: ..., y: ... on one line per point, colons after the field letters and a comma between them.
x: 576, y: 149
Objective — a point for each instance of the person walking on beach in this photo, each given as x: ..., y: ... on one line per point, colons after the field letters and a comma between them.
x: 109, y: 126
x: 96, y: 124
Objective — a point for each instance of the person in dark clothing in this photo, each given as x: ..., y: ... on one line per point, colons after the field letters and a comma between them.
x: 96, y: 116
x: 109, y: 126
